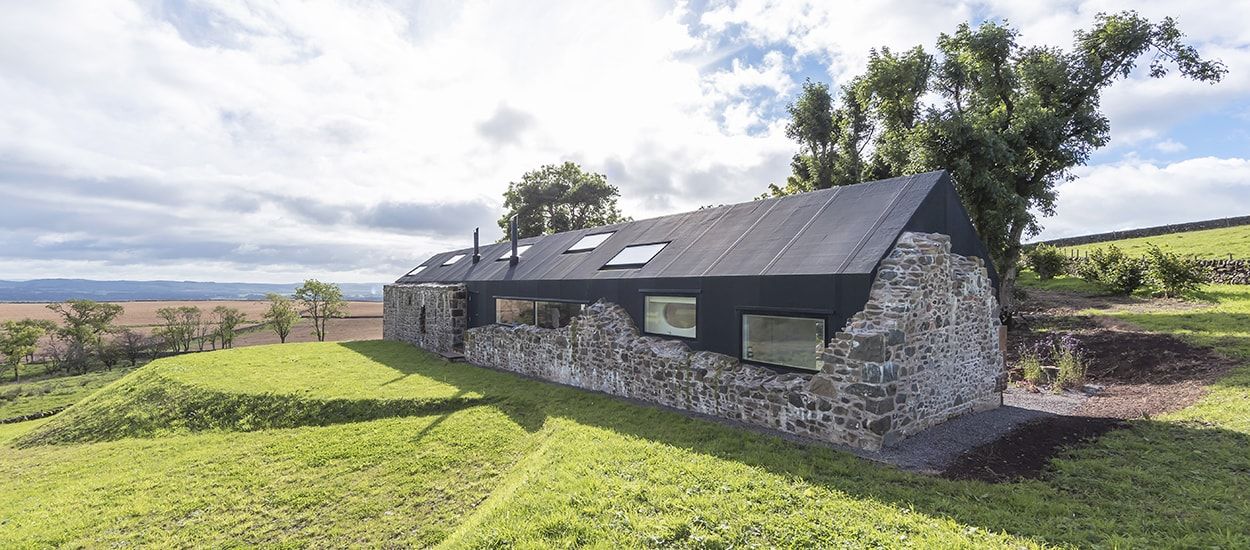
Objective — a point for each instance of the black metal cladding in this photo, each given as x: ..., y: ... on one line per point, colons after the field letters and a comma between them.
x: 810, y: 253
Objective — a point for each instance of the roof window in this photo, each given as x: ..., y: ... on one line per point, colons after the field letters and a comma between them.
x: 634, y: 256
x: 453, y: 259
x: 589, y: 242
x: 507, y: 253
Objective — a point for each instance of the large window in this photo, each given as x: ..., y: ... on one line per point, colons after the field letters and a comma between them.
x: 787, y: 341
x: 634, y: 256
x: 514, y: 312
x: 557, y: 314
x: 417, y: 269
x: 589, y: 242
x: 453, y: 259
x: 672, y: 315
x: 545, y: 314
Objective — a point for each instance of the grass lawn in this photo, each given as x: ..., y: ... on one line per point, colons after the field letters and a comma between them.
x: 1209, y: 243
x: 1065, y: 283
x: 380, y: 444
x: 45, y: 393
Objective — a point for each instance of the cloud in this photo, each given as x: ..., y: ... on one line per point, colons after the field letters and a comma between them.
x: 268, y: 141
x: 505, y: 126
x: 1144, y: 193
x: 1170, y: 146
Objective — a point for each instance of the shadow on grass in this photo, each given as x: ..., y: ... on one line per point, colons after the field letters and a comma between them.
x: 1155, y: 483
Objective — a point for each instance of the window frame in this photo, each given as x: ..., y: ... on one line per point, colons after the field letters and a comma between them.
x: 574, y: 250
x: 608, y: 264
x: 698, y: 314
x: 417, y: 270
x: 533, y: 301
x: 507, y: 253
x: 817, y: 315
x: 454, y: 259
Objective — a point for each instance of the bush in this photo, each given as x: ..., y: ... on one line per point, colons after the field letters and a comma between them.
x: 1071, y: 363
x: 1030, y: 365
x: 1112, y: 268
x: 1172, y: 275
x: 1046, y: 260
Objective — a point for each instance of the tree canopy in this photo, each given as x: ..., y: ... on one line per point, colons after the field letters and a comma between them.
x: 320, y: 301
x: 1009, y: 122
x: 557, y: 198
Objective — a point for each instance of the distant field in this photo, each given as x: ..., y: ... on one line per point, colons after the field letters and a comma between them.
x: 1210, y: 243
x: 363, y: 320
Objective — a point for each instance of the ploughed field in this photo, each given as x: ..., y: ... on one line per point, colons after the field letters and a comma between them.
x: 362, y: 322
x: 381, y: 444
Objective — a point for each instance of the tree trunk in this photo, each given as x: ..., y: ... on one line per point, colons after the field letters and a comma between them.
x: 1009, y: 271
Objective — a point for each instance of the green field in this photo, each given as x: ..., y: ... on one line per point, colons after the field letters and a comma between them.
x: 1210, y: 243
x: 28, y: 396
x: 380, y: 444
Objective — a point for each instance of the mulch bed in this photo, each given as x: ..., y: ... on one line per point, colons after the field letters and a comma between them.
x: 1024, y: 452
x: 1143, y: 374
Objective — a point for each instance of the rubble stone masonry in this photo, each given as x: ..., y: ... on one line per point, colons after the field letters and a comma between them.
x: 924, y: 349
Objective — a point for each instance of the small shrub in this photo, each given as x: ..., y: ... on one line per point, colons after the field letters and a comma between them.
x: 1046, y: 260
x: 1070, y: 360
x: 1115, y: 270
x: 1030, y: 365
x: 1172, y: 275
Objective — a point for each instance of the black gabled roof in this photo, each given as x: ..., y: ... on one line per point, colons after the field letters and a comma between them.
x: 832, y: 231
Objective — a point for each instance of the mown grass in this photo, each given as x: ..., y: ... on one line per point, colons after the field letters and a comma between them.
x: 1064, y: 283
x: 26, y: 397
x: 1209, y: 243
x: 430, y: 452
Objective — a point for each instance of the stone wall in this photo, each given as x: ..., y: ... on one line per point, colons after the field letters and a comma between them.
x: 924, y: 349
x: 428, y: 315
x: 1226, y: 272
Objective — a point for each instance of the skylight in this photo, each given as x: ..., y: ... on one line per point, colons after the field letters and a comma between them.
x: 635, y: 256
x: 418, y: 269
x: 589, y: 242
x: 507, y: 253
x: 453, y: 259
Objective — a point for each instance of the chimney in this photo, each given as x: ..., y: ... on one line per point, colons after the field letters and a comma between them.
x: 512, y: 231
x: 476, y: 256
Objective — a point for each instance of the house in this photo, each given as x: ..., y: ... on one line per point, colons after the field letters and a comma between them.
x: 857, y: 315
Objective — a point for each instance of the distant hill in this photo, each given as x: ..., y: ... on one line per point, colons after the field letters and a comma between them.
x: 54, y: 290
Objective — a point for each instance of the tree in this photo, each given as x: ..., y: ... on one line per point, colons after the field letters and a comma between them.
x: 83, y: 325
x: 321, y: 301
x: 281, y: 315
x: 132, y: 345
x: 18, y: 339
x: 1009, y: 122
x: 180, y: 328
x: 557, y: 198
x: 227, y: 320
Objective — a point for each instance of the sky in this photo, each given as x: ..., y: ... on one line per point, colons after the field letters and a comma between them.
x: 274, y: 141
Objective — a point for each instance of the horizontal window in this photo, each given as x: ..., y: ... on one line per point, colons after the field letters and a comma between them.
x: 507, y: 253
x: 514, y: 312
x: 557, y: 314
x: 635, y: 256
x: 672, y: 315
x: 453, y: 259
x: 418, y: 269
x: 786, y: 341
x: 589, y: 242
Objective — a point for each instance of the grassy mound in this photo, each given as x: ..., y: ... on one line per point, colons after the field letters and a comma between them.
x: 1208, y: 243
x: 379, y: 444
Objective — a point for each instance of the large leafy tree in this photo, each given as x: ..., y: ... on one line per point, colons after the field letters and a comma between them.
x: 83, y: 326
x: 320, y: 302
x: 557, y: 198
x: 19, y: 339
x: 1009, y: 122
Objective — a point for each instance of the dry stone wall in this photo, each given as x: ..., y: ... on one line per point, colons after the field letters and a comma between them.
x: 428, y: 315
x: 925, y: 348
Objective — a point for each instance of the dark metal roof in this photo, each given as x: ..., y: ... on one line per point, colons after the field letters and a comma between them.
x: 832, y: 231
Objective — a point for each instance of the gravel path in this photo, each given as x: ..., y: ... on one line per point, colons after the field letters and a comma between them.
x: 932, y: 450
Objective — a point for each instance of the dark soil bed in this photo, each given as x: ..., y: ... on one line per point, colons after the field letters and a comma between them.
x: 1024, y: 452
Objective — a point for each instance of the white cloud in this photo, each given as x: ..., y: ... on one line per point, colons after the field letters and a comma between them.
x: 230, y: 139
x: 1140, y: 193
x: 1170, y: 146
